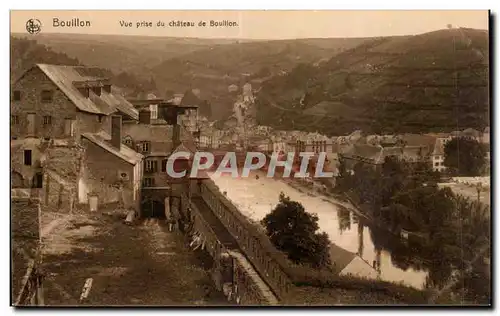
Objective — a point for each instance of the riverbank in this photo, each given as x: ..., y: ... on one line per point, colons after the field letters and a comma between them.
x: 327, y: 197
x: 350, y: 205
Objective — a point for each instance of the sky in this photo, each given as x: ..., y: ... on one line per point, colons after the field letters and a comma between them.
x: 254, y: 24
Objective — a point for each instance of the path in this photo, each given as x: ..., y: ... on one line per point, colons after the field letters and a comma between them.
x: 129, y: 265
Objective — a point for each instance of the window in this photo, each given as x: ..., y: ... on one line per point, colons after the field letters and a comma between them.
x: 128, y: 141
x: 47, y: 120
x: 47, y: 96
x: 17, y: 95
x: 99, y: 118
x: 145, y: 147
x: 149, y: 182
x: 14, y: 119
x: 436, y: 164
x: 151, y: 165
x: 164, y: 165
x: 27, y: 157
x: 153, y: 109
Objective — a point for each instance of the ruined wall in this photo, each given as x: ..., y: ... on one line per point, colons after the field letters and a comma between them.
x: 59, y: 193
x: 22, y: 174
x: 62, y: 168
x: 25, y: 234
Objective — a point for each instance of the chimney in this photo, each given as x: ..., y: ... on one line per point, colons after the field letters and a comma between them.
x: 116, y: 131
x: 145, y: 116
x: 176, y: 137
x: 97, y: 90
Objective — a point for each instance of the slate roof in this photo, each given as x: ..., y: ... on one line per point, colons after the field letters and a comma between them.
x: 182, y: 148
x: 471, y: 132
x: 107, y: 103
x: 120, y: 103
x: 143, y: 132
x: 125, y: 153
x: 364, y: 151
x: 427, y: 141
x: 377, y: 154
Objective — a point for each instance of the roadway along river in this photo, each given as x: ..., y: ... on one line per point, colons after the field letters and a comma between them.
x: 256, y: 197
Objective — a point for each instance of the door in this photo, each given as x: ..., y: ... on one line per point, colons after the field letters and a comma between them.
x: 31, y: 125
x: 93, y: 203
x: 68, y: 127
x: 38, y: 180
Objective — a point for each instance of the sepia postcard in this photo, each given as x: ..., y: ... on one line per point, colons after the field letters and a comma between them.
x: 250, y: 158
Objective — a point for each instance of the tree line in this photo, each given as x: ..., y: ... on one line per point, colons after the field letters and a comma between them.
x: 455, y: 229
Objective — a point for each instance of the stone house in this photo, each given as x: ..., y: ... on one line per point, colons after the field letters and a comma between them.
x: 438, y: 154
x: 111, y: 171
x: 61, y: 102
x: 57, y: 109
x: 155, y: 143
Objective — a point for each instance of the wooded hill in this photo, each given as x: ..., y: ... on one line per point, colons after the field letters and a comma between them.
x: 434, y: 81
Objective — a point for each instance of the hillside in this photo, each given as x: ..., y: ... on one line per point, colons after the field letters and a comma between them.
x: 131, y: 54
x: 24, y: 53
x: 434, y: 81
x: 214, y: 69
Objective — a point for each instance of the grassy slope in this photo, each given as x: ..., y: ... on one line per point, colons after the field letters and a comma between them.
x: 388, y: 84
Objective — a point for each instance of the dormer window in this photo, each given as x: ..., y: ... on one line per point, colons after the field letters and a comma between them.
x: 84, y: 92
x: 97, y: 90
x: 47, y: 96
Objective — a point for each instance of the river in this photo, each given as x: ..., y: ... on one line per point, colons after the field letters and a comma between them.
x: 256, y: 197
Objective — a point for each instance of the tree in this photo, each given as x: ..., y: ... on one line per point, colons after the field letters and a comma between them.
x: 464, y: 156
x: 292, y: 230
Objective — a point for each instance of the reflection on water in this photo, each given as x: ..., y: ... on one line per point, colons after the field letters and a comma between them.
x: 390, y: 258
x: 344, y: 216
